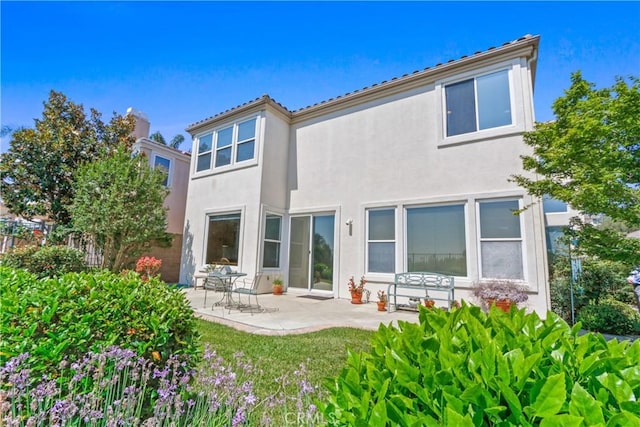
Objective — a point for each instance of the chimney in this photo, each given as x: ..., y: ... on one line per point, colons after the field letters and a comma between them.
x: 142, y: 123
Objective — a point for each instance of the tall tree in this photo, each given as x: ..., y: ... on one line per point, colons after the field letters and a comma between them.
x: 589, y: 157
x: 157, y: 137
x: 38, y: 171
x: 176, y: 141
x: 119, y: 203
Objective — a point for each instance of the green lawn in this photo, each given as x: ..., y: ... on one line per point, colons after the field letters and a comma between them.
x: 323, y: 352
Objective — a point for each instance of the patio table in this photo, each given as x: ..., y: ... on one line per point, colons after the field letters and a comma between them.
x: 227, y: 280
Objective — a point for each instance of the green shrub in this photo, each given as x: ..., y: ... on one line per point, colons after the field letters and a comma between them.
x: 599, y: 279
x: 45, y: 261
x: 610, y: 316
x: 467, y: 368
x: 65, y: 317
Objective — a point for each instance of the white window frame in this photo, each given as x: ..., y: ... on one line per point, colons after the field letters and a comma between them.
x: 205, y: 242
x: 169, y: 169
x: 233, y: 164
x: 465, y: 222
x: 501, y: 239
x: 279, y: 241
x: 394, y: 241
x: 515, y: 92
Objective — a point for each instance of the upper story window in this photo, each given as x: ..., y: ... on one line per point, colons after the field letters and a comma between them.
x: 165, y: 164
x: 479, y: 103
x: 227, y: 145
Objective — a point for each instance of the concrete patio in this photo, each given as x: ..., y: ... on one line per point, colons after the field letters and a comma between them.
x: 292, y: 314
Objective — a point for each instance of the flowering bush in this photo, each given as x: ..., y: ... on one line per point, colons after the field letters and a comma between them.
x: 148, y: 266
x: 115, y: 387
x: 500, y: 290
x: 382, y: 296
x: 359, y: 288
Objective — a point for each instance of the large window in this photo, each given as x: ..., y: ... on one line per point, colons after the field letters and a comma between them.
x: 551, y: 205
x: 500, y: 240
x: 223, y: 239
x: 165, y: 165
x: 272, y: 242
x: 479, y: 103
x: 436, y: 240
x: 381, y: 241
x: 227, y: 146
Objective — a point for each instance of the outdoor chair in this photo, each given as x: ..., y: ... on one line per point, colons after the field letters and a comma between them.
x: 248, y: 288
x: 215, y: 282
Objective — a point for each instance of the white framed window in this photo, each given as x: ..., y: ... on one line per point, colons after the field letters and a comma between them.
x: 551, y: 205
x: 501, y: 243
x: 223, y: 238
x: 381, y: 240
x: 478, y: 103
x: 165, y: 165
x: 228, y: 145
x: 436, y: 239
x: 272, y: 241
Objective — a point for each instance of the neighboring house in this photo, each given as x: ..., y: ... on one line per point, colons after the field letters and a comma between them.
x: 411, y: 174
x: 176, y: 164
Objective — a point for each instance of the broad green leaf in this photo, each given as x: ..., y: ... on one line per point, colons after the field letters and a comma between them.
x: 562, y: 420
x: 617, y: 386
x: 584, y: 405
x: 551, y: 397
x: 457, y: 420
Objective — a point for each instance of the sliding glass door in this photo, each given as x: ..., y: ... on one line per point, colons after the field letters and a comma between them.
x: 311, y: 252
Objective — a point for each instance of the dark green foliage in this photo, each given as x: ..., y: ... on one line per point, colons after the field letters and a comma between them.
x: 45, y: 261
x: 468, y: 368
x: 589, y: 157
x: 37, y: 172
x: 599, y: 279
x: 65, y: 317
x: 120, y: 203
x: 610, y: 316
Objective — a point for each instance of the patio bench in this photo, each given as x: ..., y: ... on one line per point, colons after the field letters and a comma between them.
x: 412, y: 284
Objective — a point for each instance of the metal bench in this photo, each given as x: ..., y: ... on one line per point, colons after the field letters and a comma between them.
x: 418, y: 282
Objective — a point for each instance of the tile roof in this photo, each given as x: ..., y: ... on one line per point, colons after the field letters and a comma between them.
x: 266, y: 98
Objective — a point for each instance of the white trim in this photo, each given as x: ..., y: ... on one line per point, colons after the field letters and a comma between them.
x: 233, y: 165
x: 367, y: 241
x: 517, y: 119
x: 263, y: 240
x: 220, y: 212
x: 480, y: 239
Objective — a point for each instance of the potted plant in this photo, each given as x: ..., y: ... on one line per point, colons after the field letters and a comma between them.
x: 429, y: 303
x: 382, y: 300
x: 278, y: 286
x: 356, y: 290
x: 502, y: 293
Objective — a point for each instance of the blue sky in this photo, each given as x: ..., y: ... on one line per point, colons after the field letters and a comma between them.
x: 181, y: 62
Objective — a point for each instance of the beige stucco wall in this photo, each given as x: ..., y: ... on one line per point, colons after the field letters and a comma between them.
x: 384, y: 149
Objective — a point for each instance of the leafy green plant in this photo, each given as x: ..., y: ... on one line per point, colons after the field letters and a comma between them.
x: 468, y: 368
x: 610, y: 316
x: 63, y: 318
x: 45, y: 260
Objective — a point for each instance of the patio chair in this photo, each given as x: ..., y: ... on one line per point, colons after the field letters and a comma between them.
x: 248, y: 288
x: 215, y: 282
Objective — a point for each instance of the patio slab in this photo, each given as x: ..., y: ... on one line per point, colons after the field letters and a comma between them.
x: 290, y: 314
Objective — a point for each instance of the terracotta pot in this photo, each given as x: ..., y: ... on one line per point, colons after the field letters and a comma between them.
x: 277, y: 290
x: 356, y: 298
x: 502, y: 304
x: 382, y: 306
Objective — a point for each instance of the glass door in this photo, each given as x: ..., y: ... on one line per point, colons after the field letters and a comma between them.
x: 322, y: 253
x: 311, y: 252
x: 299, y: 250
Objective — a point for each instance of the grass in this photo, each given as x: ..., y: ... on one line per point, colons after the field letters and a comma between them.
x: 323, y: 353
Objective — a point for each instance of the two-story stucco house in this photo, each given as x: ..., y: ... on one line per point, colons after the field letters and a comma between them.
x: 411, y: 174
